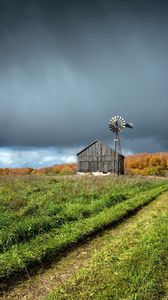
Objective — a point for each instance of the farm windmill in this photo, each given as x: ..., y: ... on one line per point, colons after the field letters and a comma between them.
x: 117, y: 124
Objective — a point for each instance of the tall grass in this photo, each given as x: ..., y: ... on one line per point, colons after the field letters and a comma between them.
x: 40, y: 210
x: 45, y: 245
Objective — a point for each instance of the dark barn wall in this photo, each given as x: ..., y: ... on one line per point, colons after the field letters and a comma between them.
x: 98, y: 157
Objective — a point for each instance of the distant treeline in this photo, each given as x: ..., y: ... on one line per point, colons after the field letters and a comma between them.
x: 63, y: 169
x: 147, y: 164
x: 143, y: 164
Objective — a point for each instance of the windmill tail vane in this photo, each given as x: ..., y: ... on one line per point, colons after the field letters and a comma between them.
x: 129, y: 125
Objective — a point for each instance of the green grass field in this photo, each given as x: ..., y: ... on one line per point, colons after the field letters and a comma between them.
x: 131, y: 267
x: 40, y: 217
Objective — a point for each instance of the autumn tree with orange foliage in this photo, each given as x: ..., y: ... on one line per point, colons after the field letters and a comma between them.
x: 15, y: 171
x: 63, y: 169
x: 147, y: 164
x: 144, y: 164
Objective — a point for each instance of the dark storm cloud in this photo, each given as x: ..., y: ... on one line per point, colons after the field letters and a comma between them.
x: 68, y: 66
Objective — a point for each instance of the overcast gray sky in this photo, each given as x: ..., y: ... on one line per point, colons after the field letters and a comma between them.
x: 66, y: 67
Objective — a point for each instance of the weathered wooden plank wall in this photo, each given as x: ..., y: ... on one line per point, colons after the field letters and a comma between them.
x: 101, y: 158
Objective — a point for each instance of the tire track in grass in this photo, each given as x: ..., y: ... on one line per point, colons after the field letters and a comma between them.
x: 39, y: 286
x: 46, y: 246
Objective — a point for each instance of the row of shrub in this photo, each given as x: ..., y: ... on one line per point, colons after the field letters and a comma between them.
x: 62, y: 169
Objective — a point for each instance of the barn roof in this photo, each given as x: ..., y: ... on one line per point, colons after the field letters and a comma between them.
x: 93, y: 144
x: 87, y: 147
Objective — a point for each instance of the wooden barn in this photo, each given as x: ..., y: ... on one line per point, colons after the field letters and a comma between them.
x: 98, y: 157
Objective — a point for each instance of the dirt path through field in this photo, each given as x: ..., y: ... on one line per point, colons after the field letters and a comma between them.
x: 38, y: 286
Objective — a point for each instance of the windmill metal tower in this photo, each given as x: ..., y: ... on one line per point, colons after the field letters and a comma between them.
x: 117, y: 124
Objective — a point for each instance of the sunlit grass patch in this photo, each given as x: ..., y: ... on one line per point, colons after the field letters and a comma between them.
x: 132, y: 268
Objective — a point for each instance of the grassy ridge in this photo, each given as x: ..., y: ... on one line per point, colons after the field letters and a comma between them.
x: 27, y: 227
x: 39, y: 210
x: 132, y: 269
x: 44, y: 245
